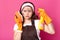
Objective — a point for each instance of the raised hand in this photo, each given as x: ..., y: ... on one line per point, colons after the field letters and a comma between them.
x: 18, y: 19
x: 41, y: 21
x: 46, y: 18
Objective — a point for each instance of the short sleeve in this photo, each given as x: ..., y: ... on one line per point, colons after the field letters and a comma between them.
x: 37, y: 29
x: 16, y: 28
x: 36, y: 24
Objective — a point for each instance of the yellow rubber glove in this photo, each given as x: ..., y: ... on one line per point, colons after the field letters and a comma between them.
x: 40, y: 24
x: 18, y: 20
x: 47, y: 19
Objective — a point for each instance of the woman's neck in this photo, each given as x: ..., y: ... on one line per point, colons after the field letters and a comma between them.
x: 27, y: 21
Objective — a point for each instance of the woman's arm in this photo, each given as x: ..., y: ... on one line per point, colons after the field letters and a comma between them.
x: 49, y: 28
x: 17, y: 35
x: 18, y: 26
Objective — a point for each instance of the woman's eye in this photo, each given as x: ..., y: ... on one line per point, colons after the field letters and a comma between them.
x: 29, y: 10
x: 24, y: 10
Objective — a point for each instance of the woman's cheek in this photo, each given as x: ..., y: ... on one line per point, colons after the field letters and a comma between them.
x: 23, y: 14
x: 30, y: 14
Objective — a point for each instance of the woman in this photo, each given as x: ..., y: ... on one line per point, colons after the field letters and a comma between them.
x: 30, y: 30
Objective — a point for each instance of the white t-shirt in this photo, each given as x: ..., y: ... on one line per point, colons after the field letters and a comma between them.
x: 36, y: 26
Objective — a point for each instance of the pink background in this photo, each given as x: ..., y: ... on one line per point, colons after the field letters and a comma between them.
x: 8, y: 7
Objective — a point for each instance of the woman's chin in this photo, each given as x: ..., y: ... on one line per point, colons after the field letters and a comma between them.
x: 27, y: 18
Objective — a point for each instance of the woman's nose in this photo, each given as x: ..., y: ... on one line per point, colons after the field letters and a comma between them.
x: 27, y: 13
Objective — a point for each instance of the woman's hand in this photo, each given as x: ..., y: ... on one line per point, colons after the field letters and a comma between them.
x: 18, y: 19
x: 46, y: 18
x: 48, y: 26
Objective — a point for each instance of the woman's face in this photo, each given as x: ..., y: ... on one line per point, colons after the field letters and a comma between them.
x: 27, y: 12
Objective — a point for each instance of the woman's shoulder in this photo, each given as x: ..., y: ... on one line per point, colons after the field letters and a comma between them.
x: 36, y: 20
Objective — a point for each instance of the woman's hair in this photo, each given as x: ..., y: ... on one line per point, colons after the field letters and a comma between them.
x: 34, y: 16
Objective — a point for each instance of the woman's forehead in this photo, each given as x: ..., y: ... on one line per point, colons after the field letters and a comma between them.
x: 27, y: 8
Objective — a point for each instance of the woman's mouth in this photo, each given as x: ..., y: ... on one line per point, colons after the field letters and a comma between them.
x: 27, y: 16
